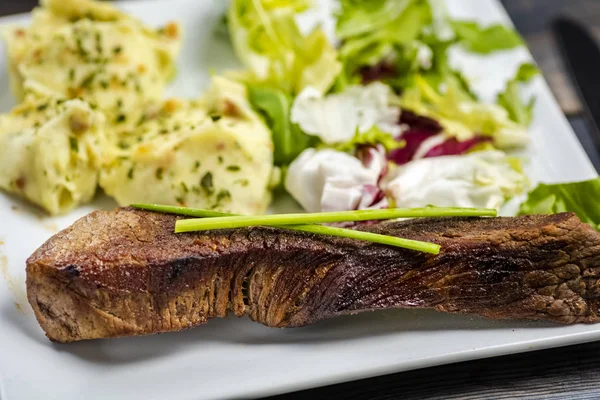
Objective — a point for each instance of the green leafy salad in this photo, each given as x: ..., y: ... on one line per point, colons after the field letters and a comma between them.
x: 368, y: 109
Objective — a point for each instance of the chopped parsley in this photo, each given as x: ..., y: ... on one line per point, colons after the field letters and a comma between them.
x: 130, y: 173
x: 207, y: 182
x: 72, y: 74
x: 184, y: 187
x: 141, y: 120
x: 87, y: 82
x: 120, y: 118
x: 98, y: 43
x: 215, y: 117
x: 233, y: 168
x: 223, y: 194
x: 220, y: 159
x: 159, y: 174
x: 242, y: 182
x: 74, y: 144
x: 196, y: 166
x: 82, y: 51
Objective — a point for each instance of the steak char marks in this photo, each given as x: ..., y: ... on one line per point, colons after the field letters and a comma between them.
x: 124, y: 272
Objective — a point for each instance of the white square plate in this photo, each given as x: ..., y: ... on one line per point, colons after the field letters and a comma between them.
x: 235, y: 357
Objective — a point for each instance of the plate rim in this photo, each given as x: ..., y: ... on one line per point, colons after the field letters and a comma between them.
x: 401, y: 366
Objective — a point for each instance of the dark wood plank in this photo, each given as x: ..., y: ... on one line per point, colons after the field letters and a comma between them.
x: 8, y: 7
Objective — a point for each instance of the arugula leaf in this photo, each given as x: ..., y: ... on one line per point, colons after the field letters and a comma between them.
x: 288, y: 139
x: 578, y: 197
x: 373, y: 136
x: 511, y: 100
x: 486, y: 40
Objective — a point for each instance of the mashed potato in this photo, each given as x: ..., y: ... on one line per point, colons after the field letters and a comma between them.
x: 215, y: 153
x: 90, y: 50
x: 50, y: 152
x: 212, y: 153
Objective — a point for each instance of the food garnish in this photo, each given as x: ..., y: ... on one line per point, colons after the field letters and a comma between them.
x: 582, y: 198
x: 307, y: 222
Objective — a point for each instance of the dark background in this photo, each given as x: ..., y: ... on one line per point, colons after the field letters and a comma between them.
x: 565, y: 373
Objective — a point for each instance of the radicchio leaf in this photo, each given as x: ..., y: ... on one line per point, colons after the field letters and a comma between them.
x: 419, y: 122
x: 453, y: 147
x: 377, y: 72
x: 413, y: 139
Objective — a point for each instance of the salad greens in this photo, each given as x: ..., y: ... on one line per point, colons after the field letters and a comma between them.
x: 578, y: 197
x: 370, y: 34
x: 463, y: 117
x: 372, y: 137
x: 369, y: 31
x: 380, y: 102
x: 288, y: 139
x: 510, y: 99
x: 410, y: 37
x: 337, y: 117
x: 485, y: 40
x: 268, y: 41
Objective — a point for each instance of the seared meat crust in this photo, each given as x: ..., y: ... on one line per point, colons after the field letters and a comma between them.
x: 124, y: 272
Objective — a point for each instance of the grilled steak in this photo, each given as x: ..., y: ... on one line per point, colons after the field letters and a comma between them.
x: 125, y: 272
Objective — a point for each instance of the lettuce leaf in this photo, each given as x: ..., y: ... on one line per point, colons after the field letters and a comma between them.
x: 267, y: 39
x: 463, y: 117
x: 484, y: 179
x: 510, y: 99
x: 372, y: 137
x: 288, y: 139
x: 381, y: 30
x: 404, y: 38
x: 336, y: 118
x: 486, y: 40
x: 578, y: 197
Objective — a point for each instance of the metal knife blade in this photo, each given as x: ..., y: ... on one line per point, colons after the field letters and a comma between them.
x: 581, y: 54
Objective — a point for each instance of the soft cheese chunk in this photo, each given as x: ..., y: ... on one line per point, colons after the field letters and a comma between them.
x: 215, y: 153
x: 50, y: 152
x: 90, y: 50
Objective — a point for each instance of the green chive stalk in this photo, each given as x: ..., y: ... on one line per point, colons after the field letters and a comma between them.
x: 230, y: 222
x: 293, y: 221
x: 416, y: 245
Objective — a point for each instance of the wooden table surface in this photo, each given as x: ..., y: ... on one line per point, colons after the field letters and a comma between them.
x: 565, y: 373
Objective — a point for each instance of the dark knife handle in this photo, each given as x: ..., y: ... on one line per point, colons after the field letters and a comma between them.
x: 581, y: 56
